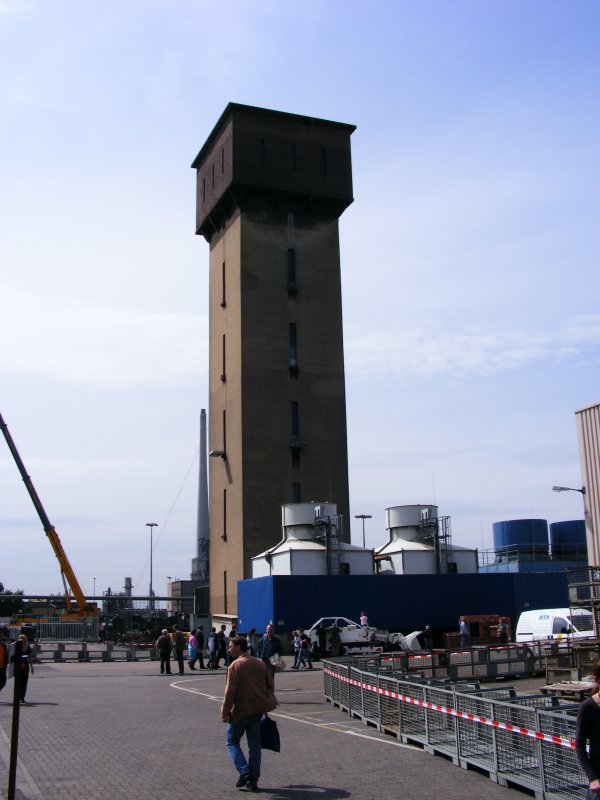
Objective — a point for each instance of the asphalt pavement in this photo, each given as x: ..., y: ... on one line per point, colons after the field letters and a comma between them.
x: 121, y: 730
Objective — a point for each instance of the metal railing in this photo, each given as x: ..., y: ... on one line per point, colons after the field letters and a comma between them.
x: 79, y: 629
x: 523, y: 741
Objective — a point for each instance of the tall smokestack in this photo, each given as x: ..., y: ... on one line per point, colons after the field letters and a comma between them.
x: 200, y: 563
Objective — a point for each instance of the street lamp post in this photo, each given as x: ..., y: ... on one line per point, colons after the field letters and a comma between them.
x: 94, y: 587
x: 568, y: 489
x: 151, y: 525
x: 363, y: 517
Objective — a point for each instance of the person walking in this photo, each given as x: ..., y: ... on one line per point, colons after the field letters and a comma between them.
x: 179, y: 647
x: 335, y: 640
x: 200, y: 647
x: 305, y: 648
x: 252, y: 641
x: 463, y: 629
x: 3, y: 660
x: 298, y: 655
x: 192, y: 649
x: 502, y: 632
x: 587, y: 732
x: 164, y: 645
x: 213, y: 648
x: 26, y: 666
x: 322, y: 637
x: 222, y: 644
x: 249, y: 693
x: 269, y: 646
x: 427, y: 638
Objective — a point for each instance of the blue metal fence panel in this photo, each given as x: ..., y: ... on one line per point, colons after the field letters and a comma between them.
x: 395, y: 602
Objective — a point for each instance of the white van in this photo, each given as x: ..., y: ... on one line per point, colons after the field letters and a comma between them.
x: 555, y: 623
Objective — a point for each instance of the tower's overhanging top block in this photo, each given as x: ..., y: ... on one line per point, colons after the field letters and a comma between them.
x: 271, y: 151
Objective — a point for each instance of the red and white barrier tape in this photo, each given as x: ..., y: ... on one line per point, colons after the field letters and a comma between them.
x: 452, y: 712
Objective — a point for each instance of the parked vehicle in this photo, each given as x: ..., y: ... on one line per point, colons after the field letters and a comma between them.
x: 364, y: 639
x: 555, y: 624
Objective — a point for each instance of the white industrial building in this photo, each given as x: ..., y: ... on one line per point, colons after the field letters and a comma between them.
x: 310, y: 545
x: 420, y: 543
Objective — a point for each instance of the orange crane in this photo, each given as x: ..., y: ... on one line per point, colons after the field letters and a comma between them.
x: 78, y: 608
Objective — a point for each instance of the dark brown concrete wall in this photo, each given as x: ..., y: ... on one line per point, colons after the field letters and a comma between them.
x: 252, y: 216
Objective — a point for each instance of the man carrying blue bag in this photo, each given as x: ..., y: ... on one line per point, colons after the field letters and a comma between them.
x: 249, y: 693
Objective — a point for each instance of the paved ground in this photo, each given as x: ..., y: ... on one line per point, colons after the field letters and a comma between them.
x: 122, y: 731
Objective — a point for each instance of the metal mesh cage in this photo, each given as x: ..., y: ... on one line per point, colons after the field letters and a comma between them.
x: 475, y: 741
x: 370, y: 700
x: 390, y: 714
x: 412, y: 716
x: 518, y: 755
x: 441, y: 726
x: 563, y: 777
x: 356, y: 694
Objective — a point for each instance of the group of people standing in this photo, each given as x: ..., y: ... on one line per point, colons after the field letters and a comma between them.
x: 176, y: 646
x: 218, y: 646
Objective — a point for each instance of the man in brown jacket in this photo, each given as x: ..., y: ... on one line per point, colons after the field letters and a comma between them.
x: 249, y: 693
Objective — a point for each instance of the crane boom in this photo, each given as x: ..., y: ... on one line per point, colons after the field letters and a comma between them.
x: 69, y: 578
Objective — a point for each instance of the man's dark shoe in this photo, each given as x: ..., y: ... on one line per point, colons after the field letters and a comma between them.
x: 253, y: 786
x: 242, y: 780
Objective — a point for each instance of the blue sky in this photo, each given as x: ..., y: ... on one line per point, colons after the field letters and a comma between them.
x: 469, y: 258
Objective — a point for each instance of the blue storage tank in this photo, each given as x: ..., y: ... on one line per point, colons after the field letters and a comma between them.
x: 568, y: 538
x: 524, y: 535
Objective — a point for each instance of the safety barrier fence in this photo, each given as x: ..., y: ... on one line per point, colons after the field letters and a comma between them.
x: 480, y: 663
x: 525, y: 741
x: 80, y: 628
x: 63, y: 652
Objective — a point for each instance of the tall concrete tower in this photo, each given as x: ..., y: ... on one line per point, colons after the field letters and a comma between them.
x: 271, y: 187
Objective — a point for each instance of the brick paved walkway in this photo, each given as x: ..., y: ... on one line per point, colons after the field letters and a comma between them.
x: 120, y: 731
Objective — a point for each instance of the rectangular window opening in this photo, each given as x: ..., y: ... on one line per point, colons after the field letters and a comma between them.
x: 224, y: 534
x: 291, y: 270
x: 295, y: 443
x: 223, y: 301
x: 295, y: 418
x: 223, y: 372
x: 293, y: 350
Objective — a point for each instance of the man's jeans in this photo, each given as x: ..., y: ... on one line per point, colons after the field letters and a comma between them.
x: 235, y: 730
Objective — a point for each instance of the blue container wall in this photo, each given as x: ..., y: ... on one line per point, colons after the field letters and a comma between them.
x: 522, y: 533
x: 255, y: 604
x: 394, y: 602
x: 540, y: 590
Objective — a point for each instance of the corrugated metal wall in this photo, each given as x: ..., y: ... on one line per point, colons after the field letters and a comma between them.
x: 395, y: 602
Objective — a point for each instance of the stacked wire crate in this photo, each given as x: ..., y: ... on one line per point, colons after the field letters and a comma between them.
x: 524, y: 741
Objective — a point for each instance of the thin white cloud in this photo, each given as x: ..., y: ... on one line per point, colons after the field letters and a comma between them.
x: 99, y: 346
x: 425, y: 351
x: 15, y: 7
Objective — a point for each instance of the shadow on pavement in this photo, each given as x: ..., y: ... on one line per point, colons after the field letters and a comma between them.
x: 305, y: 792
